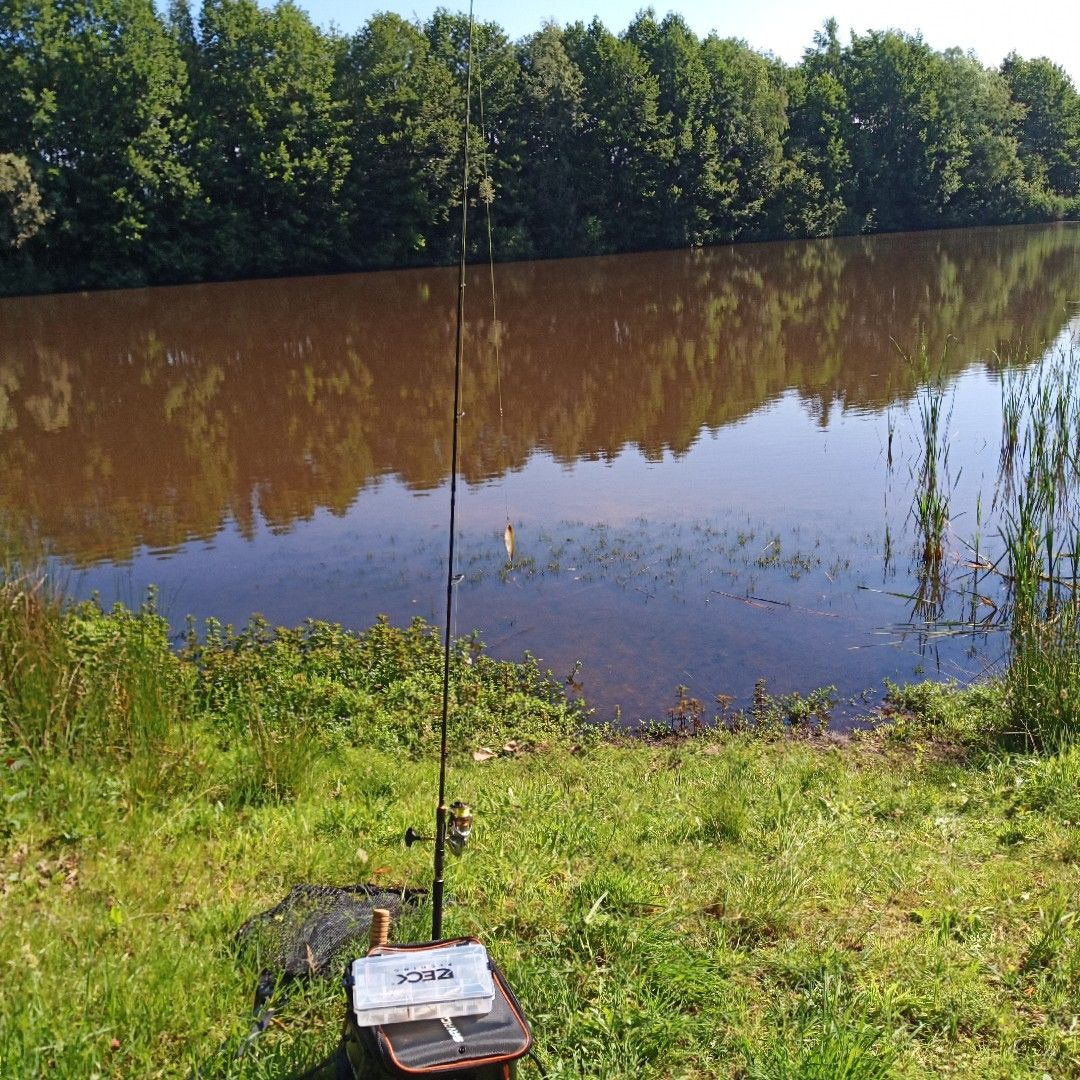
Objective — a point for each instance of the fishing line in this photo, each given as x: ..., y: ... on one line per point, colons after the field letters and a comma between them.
x: 487, y: 194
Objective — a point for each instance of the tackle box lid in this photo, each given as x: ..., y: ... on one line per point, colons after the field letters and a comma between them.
x: 422, y: 984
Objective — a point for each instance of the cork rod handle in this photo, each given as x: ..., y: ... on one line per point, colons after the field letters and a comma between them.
x: 379, y: 933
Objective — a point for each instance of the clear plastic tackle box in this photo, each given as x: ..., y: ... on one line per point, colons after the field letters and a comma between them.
x: 422, y: 984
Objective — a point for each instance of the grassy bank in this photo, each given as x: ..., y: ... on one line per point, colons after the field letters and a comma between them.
x: 748, y: 905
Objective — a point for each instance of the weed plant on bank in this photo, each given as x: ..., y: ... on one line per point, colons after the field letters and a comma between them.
x: 727, y: 903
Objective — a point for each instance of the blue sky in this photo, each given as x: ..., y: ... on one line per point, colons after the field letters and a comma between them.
x: 785, y: 27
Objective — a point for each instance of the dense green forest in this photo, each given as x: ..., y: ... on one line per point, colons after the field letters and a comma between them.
x: 139, y: 147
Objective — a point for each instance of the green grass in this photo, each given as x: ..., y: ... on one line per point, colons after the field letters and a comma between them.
x: 728, y: 904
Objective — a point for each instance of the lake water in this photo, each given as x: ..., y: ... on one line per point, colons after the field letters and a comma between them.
x: 694, y: 449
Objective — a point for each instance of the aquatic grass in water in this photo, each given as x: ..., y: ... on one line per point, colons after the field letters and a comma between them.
x: 931, y: 497
x: 1041, y: 536
x: 933, y: 484
x: 1037, y: 507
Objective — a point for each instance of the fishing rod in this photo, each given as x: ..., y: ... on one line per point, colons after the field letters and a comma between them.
x: 453, y: 824
x: 440, y: 1008
x: 459, y: 349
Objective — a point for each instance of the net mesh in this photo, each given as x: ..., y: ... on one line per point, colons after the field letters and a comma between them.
x: 309, y: 932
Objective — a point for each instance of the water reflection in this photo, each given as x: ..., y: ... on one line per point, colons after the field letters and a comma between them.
x: 151, y: 417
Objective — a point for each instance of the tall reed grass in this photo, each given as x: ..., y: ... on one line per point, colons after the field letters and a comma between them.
x: 931, y: 504
x: 1037, y: 505
x: 79, y: 683
x: 931, y: 501
x: 1039, y: 495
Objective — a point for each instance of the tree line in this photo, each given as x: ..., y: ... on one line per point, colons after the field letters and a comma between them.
x: 143, y: 147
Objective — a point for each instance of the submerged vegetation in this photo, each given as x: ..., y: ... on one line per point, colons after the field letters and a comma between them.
x: 141, y: 146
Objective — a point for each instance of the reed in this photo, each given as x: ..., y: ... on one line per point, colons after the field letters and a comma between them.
x: 1040, y: 531
x: 1037, y: 508
x: 80, y: 685
x: 1011, y: 412
x: 931, y: 499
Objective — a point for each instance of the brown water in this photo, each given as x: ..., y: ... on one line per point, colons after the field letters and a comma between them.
x: 693, y: 450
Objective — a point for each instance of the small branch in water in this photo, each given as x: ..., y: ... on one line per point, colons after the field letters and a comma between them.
x: 750, y: 601
x: 761, y: 601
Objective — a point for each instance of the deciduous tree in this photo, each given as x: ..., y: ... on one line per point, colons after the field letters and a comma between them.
x: 272, y: 139
x: 404, y: 121
x: 1049, y: 127
x: 550, y: 120
x: 95, y: 102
